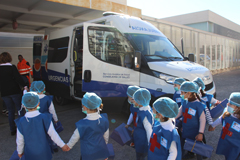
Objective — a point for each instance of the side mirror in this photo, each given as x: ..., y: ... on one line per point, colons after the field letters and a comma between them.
x: 137, y: 60
x: 191, y: 57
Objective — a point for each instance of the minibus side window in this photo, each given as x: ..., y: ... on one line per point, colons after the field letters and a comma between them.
x: 58, y: 49
x: 110, y: 46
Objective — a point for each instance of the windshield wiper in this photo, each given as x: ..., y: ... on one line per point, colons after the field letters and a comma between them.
x: 176, y: 57
x: 168, y: 58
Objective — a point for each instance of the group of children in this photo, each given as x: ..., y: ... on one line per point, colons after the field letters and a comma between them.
x: 155, y: 135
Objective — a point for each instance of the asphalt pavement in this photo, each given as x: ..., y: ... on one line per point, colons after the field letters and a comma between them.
x: 226, y: 83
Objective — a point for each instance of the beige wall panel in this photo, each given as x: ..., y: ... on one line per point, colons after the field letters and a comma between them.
x: 124, y: 2
x: 81, y: 3
x: 134, y: 12
x: 102, y: 5
x: 119, y: 8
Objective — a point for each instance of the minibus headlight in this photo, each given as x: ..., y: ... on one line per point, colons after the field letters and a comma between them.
x: 206, y: 78
x: 167, y: 78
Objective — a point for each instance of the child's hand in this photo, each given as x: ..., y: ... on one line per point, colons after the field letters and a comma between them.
x: 126, y: 126
x: 65, y: 148
x: 20, y: 155
x: 218, y: 102
x: 132, y: 132
x: 199, y: 137
x: 210, y: 128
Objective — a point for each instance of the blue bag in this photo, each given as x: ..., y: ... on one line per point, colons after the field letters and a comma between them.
x: 111, y: 151
x: 218, y: 110
x: 58, y: 127
x: 198, y: 147
x: 15, y: 156
x: 121, y: 135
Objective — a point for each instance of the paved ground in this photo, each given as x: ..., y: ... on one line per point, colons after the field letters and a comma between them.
x: 226, y: 83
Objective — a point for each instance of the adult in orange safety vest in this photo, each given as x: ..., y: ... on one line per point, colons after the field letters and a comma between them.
x: 24, y: 69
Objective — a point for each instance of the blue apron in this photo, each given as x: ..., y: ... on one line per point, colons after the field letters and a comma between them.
x: 229, y: 140
x: 35, y: 136
x: 45, y: 103
x: 177, y: 98
x: 93, y: 145
x: 191, y: 113
x: 134, y: 111
x: 207, y: 100
x: 139, y: 134
x: 160, y: 143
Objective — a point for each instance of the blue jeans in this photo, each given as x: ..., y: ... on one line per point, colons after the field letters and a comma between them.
x: 11, y: 102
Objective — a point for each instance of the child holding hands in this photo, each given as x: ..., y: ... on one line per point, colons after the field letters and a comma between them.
x: 33, y: 130
x: 93, y: 131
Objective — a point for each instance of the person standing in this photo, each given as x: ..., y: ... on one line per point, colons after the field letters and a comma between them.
x: 165, y: 141
x: 33, y: 131
x: 24, y: 69
x: 10, y: 83
x: 93, y: 130
x: 145, y: 121
x: 228, y: 144
x: 194, y: 118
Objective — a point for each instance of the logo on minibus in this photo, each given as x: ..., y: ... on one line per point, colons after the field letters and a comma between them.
x: 58, y: 79
x: 144, y: 29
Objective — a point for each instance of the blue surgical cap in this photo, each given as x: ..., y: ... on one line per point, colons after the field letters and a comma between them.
x: 166, y: 106
x: 178, y: 81
x: 30, y: 100
x: 39, y: 86
x: 142, y: 96
x: 199, y: 82
x: 189, y: 87
x: 234, y: 99
x: 32, y: 89
x: 131, y: 90
x: 91, y: 100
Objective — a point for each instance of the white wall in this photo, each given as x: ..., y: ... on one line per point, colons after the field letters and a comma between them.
x: 25, y: 52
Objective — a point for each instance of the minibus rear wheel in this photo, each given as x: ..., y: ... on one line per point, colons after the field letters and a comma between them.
x: 60, y: 100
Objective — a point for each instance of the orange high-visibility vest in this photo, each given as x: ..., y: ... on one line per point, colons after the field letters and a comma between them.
x: 23, y: 68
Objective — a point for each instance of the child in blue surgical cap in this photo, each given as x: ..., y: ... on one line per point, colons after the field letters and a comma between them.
x: 144, y: 120
x: 93, y: 131
x: 33, y: 130
x: 228, y: 144
x: 165, y: 141
x: 194, y: 119
x: 176, y: 96
x: 133, y: 109
x: 46, y: 104
x: 207, y: 98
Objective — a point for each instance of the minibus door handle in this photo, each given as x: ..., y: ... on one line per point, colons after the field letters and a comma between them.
x: 87, y: 76
x: 66, y: 72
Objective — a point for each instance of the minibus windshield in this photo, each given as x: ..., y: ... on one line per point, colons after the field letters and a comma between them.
x: 154, y: 48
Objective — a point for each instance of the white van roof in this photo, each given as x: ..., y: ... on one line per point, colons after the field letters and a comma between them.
x: 124, y: 23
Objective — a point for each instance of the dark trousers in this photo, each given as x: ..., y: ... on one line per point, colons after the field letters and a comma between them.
x: 141, y: 156
x: 11, y: 102
x: 4, y: 107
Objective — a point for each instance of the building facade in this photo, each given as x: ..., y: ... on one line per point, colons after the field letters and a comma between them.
x: 214, y: 51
